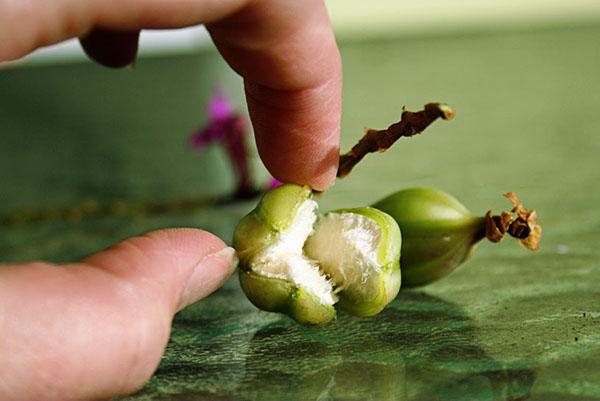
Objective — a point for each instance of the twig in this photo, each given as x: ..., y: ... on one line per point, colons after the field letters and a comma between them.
x: 409, y: 125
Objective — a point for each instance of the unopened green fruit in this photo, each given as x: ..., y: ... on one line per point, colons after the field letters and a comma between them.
x: 294, y: 262
x: 438, y: 233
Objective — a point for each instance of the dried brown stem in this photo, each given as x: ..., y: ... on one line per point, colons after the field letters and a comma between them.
x: 411, y: 123
x: 519, y: 223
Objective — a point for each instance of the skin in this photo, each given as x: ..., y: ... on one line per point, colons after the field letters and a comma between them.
x: 67, y: 332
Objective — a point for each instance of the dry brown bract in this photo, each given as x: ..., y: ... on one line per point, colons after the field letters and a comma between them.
x: 519, y: 223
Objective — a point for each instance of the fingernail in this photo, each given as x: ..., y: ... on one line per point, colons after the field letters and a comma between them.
x: 208, y: 276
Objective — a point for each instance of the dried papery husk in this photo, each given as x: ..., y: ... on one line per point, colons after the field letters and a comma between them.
x: 520, y: 223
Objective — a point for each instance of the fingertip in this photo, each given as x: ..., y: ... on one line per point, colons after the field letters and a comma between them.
x: 287, y: 54
x: 319, y: 174
x: 325, y: 180
x: 111, y: 48
x: 192, y: 242
x: 297, y: 132
x: 208, y: 276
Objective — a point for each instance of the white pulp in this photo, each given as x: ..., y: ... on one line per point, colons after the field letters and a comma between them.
x: 285, y: 258
x: 345, y: 244
x: 343, y: 248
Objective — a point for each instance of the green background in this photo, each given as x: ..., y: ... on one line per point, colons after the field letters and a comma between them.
x: 510, y: 324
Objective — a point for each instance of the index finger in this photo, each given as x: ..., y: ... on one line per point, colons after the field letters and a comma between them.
x: 288, y: 57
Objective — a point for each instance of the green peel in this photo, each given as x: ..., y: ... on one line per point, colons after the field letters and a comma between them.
x: 438, y: 233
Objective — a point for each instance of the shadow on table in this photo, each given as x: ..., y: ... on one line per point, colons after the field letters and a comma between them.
x: 421, y: 347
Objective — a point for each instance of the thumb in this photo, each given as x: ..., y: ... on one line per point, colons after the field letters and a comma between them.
x: 180, y: 266
x: 97, y: 329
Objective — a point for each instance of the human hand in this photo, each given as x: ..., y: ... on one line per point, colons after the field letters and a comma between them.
x: 284, y: 50
x: 97, y: 329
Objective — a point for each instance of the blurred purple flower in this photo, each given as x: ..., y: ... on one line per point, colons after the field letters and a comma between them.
x: 223, y: 123
x: 228, y: 129
x: 219, y: 107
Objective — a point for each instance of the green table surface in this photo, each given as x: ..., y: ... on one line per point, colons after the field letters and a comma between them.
x: 509, y: 324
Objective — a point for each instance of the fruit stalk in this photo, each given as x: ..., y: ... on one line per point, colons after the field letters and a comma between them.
x: 410, y: 124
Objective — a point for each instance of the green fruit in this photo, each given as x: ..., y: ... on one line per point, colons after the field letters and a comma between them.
x: 293, y: 264
x: 438, y: 233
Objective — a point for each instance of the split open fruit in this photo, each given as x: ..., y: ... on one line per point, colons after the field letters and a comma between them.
x: 297, y: 262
